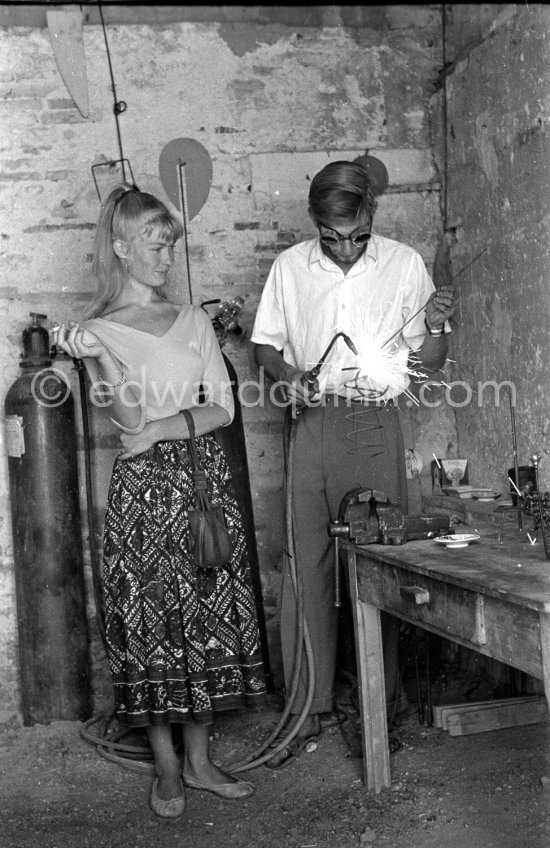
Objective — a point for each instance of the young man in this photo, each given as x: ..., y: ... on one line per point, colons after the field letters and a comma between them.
x: 346, y: 280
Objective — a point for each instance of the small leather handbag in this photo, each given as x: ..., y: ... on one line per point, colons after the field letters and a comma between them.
x: 210, y: 538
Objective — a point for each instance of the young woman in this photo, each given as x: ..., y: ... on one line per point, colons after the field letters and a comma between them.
x: 183, y: 642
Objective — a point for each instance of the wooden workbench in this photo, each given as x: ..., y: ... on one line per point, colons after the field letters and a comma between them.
x: 492, y: 597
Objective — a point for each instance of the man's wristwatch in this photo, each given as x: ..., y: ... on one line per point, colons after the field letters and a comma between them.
x: 432, y: 331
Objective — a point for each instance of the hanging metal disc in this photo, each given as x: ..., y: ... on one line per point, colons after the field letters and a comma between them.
x: 197, y: 169
x: 376, y: 170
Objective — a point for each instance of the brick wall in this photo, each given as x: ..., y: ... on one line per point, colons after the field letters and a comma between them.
x: 271, y: 104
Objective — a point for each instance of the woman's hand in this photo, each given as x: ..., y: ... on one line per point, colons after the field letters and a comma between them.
x: 78, y: 342
x: 134, y: 445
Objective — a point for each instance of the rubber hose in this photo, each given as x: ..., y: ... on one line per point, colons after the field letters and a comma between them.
x: 302, y: 635
x: 299, y: 634
x: 94, y: 559
x: 131, y: 756
x: 128, y: 755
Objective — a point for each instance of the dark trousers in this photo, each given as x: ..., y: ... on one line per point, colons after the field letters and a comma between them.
x: 338, y: 447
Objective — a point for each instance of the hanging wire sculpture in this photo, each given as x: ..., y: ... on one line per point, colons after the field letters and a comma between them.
x: 119, y: 107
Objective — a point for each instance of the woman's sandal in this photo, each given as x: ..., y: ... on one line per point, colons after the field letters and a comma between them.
x: 233, y: 791
x: 171, y: 809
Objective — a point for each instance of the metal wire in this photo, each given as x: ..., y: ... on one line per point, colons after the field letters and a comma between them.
x: 367, y: 433
x: 119, y: 106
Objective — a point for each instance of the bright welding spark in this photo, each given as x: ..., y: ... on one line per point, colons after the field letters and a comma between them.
x: 383, y: 370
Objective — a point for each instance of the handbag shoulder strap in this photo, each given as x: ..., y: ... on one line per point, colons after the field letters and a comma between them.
x: 199, y: 474
x: 192, y: 443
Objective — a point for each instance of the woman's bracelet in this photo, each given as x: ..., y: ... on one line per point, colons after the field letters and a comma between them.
x: 112, y: 385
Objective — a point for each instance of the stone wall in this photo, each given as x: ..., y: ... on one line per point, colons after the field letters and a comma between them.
x: 498, y: 202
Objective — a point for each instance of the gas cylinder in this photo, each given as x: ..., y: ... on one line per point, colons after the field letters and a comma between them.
x: 47, y: 541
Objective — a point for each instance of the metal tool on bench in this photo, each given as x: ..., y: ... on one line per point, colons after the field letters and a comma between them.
x: 366, y: 517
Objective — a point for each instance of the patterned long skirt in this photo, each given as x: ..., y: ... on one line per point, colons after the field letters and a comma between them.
x: 183, y: 643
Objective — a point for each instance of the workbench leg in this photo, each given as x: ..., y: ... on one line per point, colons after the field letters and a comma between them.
x: 545, y: 647
x: 372, y: 692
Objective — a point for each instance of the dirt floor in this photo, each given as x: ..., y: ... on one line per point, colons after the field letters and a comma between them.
x: 477, y: 791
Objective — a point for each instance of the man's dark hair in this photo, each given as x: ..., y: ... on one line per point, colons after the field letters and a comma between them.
x: 340, y: 192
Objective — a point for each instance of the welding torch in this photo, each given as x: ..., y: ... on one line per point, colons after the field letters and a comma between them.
x: 310, y: 377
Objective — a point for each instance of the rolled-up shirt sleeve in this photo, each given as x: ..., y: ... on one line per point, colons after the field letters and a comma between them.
x: 270, y: 326
x: 419, y: 288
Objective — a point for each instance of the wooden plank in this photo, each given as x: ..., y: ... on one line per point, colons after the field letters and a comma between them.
x: 454, y: 612
x: 479, y: 721
x: 442, y: 711
x: 514, y: 574
x: 545, y: 650
x: 372, y: 693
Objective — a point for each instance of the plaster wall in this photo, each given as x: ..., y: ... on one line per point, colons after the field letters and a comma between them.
x: 271, y: 104
x: 498, y: 202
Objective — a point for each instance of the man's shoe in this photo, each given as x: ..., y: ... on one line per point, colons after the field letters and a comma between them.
x: 232, y: 791
x: 293, y: 749
x: 171, y: 809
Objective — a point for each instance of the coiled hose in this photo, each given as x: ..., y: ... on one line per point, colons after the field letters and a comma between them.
x: 140, y: 758
x: 302, y: 639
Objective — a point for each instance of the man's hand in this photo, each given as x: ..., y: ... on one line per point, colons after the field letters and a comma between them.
x: 289, y: 380
x: 441, y: 307
x: 297, y: 391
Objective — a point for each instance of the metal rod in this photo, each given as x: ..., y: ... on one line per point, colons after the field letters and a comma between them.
x: 181, y: 184
x: 429, y: 711
x: 515, y: 455
x: 514, y: 486
x: 535, y: 460
x: 418, y: 311
x: 419, y: 701
x: 471, y: 262
x: 337, y: 601
x: 445, y: 121
x: 431, y: 297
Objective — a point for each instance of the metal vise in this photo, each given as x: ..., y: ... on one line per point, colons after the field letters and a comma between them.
x: 366, y: 517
